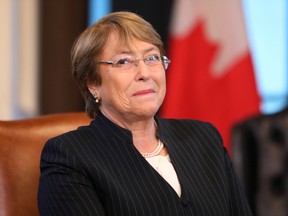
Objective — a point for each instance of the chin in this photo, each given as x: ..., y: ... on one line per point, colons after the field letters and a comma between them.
x: 146, y: 108
x: 148, y: 112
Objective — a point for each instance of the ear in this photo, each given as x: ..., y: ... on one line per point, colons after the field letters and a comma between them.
x: 93, y: 88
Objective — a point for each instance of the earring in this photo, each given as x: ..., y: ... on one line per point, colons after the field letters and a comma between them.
x: 96, y: 98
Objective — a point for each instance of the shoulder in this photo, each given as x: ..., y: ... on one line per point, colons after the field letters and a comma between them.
x: 96, y: 137
x: 179, y: 122
x: 192, y: 129
x: 75, y: 147
x: 80, y: 134
x: 188, y: 124
x: 75, y: 141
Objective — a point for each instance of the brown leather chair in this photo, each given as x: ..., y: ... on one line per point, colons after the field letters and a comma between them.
x: 21, y: 143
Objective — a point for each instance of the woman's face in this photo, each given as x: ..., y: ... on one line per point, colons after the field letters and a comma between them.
x: 130, y: 92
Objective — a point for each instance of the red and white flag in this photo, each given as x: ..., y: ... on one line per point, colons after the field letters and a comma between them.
x: 211, y: 75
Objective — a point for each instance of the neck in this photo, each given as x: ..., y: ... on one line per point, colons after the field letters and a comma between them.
x: 144, y: 131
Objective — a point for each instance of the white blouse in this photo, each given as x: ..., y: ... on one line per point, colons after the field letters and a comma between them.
x: 163, y: 165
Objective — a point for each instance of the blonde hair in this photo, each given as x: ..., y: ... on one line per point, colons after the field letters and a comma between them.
x: 91, y: 43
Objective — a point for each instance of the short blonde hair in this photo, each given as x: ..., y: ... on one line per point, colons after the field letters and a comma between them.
x: 91, y: 43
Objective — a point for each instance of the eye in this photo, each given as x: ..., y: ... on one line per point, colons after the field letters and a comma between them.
x: 124, y: 61
x: 153, y: 58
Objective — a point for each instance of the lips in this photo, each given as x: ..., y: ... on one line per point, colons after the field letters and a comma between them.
x: 144, y: 92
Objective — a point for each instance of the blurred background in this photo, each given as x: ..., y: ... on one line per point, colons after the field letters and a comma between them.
x: 229, y: 66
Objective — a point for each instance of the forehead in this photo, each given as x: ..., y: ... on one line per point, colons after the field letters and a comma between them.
x: 116, y: 46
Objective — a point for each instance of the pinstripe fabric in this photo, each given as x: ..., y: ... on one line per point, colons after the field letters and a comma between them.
x: 96, y: 170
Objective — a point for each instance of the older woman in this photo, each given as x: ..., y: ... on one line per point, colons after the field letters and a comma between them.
x: 129, y: 161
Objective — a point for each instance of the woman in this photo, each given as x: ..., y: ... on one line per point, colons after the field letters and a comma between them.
x: 129, y: 161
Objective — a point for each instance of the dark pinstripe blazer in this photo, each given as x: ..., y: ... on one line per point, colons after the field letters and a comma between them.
x: 96, y: 170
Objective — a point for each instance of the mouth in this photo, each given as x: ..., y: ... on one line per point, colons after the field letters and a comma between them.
x: 144, y: 92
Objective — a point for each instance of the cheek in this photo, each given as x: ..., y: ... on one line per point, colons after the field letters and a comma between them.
x: 121, y: 96
x: 116, y: 90
x: 161, y: 81
x: 121, y: 87
x: 162, y: 92
x: 120, y: 99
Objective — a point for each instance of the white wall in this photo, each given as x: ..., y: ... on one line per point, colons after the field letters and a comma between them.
x: 18, y: 58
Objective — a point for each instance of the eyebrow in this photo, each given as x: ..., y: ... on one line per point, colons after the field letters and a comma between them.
x: 154, y: 48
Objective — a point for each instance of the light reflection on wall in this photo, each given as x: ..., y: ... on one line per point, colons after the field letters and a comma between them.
x: 267, y: 24
x: 97, y: 9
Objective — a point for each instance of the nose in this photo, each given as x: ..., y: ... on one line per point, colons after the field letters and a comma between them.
x: 136, y: 61
x: 143, y: 72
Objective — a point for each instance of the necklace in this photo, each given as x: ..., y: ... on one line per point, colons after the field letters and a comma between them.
x: 155, y: 152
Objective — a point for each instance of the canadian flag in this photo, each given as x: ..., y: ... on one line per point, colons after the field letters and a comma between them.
x: 211, y: 75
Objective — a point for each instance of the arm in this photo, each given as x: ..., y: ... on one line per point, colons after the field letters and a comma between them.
x: 64, y: 187
x: 238, y: 203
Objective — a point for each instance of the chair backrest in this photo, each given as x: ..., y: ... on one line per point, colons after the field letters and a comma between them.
x: 260, y: 158
x: 21, y: 143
